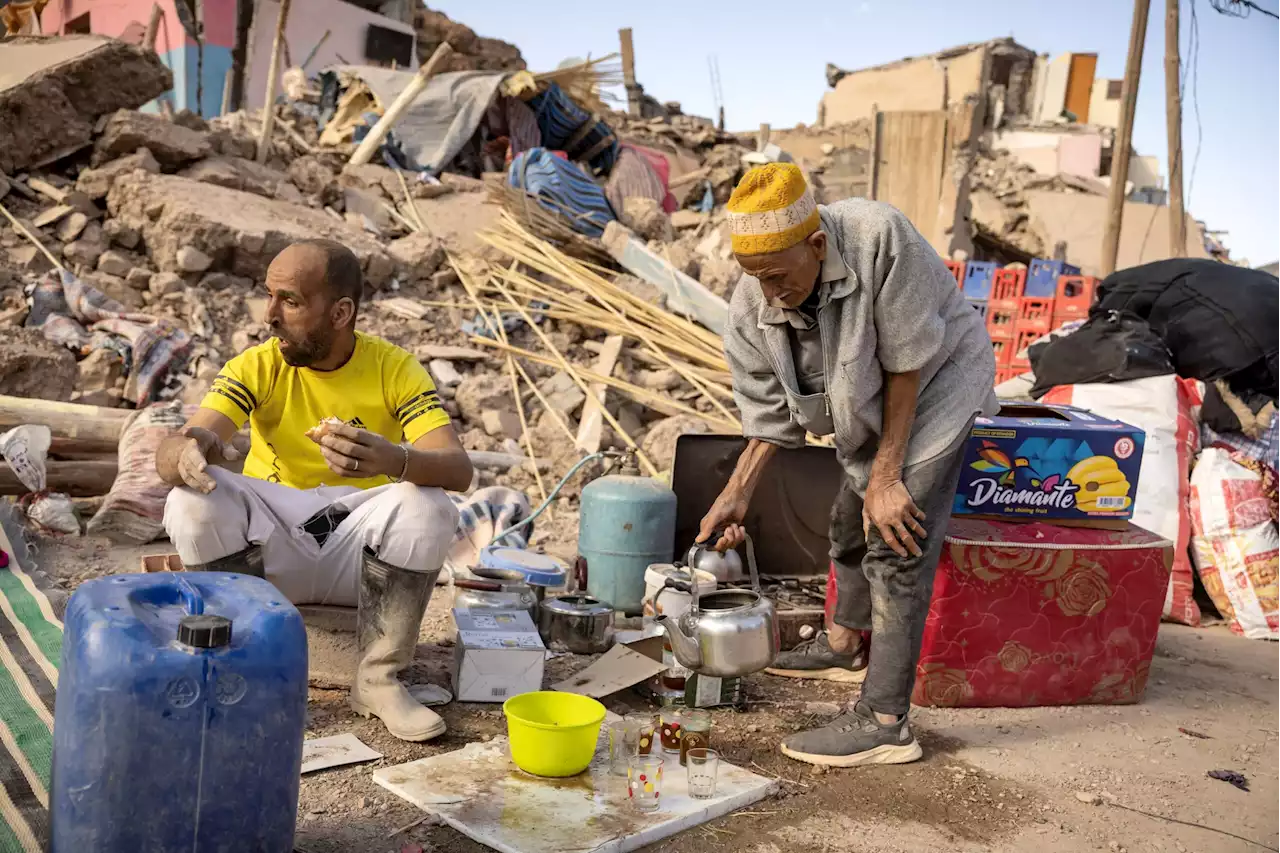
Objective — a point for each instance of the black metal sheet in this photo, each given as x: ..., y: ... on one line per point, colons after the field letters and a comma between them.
x: 790, y: 510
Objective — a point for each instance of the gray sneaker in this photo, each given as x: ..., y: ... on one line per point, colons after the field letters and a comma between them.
x: 853, y: 739
x: 817, y: 660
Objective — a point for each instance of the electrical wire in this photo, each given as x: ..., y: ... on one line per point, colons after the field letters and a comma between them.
x: 1239, y: 8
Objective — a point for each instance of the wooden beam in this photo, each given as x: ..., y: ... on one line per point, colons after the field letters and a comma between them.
x: 79, y: 479
x: 401, y: 105
x: 97, y: 425
x: 591, y: 426
x: 1123, y: 147
x: 629, y: 72
x: 273, y: 80
x: 1173, y: 117
x: 153, y: 28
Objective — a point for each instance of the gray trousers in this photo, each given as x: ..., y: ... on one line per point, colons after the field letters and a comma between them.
x: 888, y: 595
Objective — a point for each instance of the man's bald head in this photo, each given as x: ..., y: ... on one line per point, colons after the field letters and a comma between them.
x: 325, y: 262
x: 315, y: 288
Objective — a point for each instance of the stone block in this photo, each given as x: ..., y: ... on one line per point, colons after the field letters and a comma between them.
x: 96, y: 183
x: 173, y: 145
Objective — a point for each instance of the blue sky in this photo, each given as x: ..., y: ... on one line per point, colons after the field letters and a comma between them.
x: 772, y: 57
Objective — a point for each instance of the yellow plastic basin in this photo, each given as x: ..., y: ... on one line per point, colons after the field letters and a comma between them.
x: 552, y: 733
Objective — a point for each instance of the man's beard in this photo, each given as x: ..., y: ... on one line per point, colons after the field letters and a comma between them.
x: 305, y: 353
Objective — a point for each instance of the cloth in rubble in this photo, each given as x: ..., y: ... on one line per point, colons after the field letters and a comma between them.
x: 562, y: 188
x: 71, y: 313
x: 1111, y: 347
x: 1217, y: 320
x: 481, y: 515
x: 441, y: 119
x: 1264, y: 449
x: 662, y: 168
x: 633, y: 176
x: 512, y: 118
x: 568, y: 127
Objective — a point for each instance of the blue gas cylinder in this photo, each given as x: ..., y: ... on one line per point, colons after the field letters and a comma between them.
x: 626, y: 524
x: 181, y: 707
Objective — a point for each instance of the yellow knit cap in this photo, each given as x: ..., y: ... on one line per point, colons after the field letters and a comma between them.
x: 771, y: 209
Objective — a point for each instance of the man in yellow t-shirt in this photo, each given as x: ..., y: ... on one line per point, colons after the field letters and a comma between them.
x: 342, y: 499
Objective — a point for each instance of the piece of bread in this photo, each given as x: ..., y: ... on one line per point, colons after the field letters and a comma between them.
x: 323, y: 428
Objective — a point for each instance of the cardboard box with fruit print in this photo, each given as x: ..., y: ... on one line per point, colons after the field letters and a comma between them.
x: 1050, y: 463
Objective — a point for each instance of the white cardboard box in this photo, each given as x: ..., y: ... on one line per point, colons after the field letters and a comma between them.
x: 498, y: 655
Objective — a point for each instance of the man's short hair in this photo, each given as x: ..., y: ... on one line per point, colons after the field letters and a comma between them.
x: 342, y: 272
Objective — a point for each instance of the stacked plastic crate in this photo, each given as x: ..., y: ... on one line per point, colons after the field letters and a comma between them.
x: 1074, y: 297
x: 1003, y: 306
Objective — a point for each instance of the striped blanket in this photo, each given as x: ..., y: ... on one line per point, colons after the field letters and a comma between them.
x: 30, y: 650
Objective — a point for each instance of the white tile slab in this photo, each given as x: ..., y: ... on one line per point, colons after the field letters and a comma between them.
x: 321, y: 753
x: 479, y: 792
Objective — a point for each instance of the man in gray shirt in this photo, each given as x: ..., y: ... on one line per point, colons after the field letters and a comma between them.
x: 847, y: 323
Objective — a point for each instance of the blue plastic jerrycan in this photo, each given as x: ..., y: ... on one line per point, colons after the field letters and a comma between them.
x: 180, y: 714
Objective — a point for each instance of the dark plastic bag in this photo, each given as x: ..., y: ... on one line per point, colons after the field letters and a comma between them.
x: 1111, y: 347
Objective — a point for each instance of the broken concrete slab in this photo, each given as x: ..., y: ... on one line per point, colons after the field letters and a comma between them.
x: 191, y: 259
x: 31, y: 366
x: 501, y: 423
x: 240, y: 174
x: 173, y: 145
x: 114, y: 263
x: 419, y: 254
x: 120, y: 234
x: 71, y: 227
x: 53, y: 90
x: 96, y: 183
x: 239, y: 231
x: 28, y: 259
x: 482, y: 392
x: 562, y: 392
x: 164, y: 283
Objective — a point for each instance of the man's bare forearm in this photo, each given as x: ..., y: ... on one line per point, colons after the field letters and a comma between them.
x: 900, y: 395
x: 448, y: 469
x: 750, y: 467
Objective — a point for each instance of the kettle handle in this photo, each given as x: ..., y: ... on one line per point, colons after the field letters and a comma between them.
x: 690, y: 586
x: 751, y: 563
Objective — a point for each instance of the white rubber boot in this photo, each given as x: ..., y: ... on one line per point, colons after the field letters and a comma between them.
x: 392, y: 601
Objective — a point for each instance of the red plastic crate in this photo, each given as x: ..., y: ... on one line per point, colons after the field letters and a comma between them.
x: 1001, y: 323
x: 1021, y: 342
x: 1007, y: 288
x: 1004, y: 374
x: 1035, y: 315
x: 1075, y: 295
x: 1003, y: 351
x: 957, y: 270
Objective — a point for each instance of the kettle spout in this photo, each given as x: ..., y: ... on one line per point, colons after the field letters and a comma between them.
x: 684, y: 647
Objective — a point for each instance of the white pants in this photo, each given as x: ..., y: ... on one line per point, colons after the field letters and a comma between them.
x: 408, y: 526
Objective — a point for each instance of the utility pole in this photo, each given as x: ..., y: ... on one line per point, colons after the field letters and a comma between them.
x: 1173, y: 114
x: 1123, y: 147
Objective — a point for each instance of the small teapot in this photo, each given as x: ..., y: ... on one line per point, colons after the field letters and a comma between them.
x: 727, y: 633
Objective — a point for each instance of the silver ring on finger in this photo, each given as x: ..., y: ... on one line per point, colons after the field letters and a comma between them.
x: 355, y: 465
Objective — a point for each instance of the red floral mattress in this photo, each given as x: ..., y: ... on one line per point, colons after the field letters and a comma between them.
x: 1036, y: 614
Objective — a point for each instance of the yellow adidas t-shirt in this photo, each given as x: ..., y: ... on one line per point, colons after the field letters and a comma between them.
x: 381, y: 388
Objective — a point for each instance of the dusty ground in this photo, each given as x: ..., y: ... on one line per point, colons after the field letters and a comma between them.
x: 998, y: 780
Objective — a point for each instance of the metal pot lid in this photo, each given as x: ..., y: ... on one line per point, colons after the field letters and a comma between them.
x: 538, y: 569
x: 577, y: 605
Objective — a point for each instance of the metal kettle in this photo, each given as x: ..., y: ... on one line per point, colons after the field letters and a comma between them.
x: 727, y: 633
x: 726, y: 567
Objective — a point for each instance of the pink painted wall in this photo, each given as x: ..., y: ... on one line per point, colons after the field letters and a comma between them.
x: 113, y: 17
x: 1080, y: 154
x: 308, y: 20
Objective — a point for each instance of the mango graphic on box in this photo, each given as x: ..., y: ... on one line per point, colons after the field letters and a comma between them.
x: 1102, y: 485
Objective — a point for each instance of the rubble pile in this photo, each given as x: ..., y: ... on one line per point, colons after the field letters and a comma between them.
x: 998, y: 199
x: 472, y: 52
x: 159, y: 229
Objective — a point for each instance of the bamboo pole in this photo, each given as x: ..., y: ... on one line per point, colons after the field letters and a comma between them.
x: 653, y: 399
x: 496, y: 327
x: 645, y: 462
x: 273, y: 80
x: 153, y: 27
x: 35, y: 241
x: 370, y: 143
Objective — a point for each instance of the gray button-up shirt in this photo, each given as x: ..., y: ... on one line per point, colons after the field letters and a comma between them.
x: 886, y: 303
